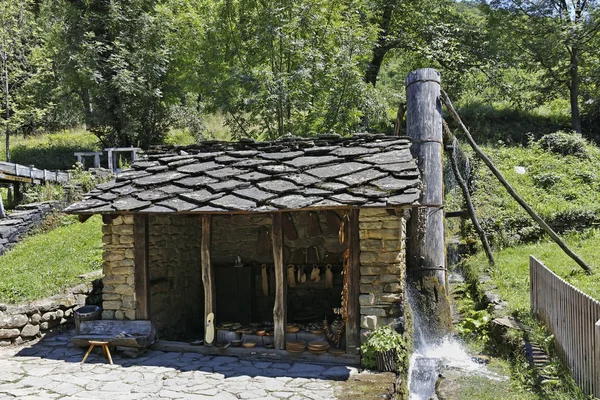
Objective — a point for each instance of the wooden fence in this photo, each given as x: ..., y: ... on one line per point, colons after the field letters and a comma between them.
x: 574, y: 319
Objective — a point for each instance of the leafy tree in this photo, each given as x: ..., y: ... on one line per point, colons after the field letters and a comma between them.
x: 285, y: 67
x: 554, y: 36
x: 22, y: 65
x: 113, y: 54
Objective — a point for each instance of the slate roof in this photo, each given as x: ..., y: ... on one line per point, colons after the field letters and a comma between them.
x: 326, y: 172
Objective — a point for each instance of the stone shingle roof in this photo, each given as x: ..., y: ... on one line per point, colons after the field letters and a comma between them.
x: 290, y: 173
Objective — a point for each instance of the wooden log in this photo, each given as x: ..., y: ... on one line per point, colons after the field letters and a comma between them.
x: 208, y: 276
x: 426, y: 255
x: 353, y: 321
x: 452, y: 145
x: 510, y: 189
x: 280, y: 306
x: 141, y: 267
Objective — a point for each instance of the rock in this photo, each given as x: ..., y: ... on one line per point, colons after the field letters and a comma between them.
x: 30, y: 330
x: 35, y: 319
x: 49, y: 316
x: 13, y: 321
x: 9, y: 333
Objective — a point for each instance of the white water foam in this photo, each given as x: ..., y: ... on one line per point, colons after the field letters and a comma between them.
x: 427, y: 362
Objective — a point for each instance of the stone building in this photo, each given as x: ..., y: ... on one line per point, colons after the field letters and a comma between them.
x: 259, y: 231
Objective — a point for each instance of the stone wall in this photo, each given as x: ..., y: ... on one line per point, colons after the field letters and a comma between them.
x: 382, y: 269
x: 176, y: 288
x: 20, y: 323
x: 118, y: 295
x: 22, y: 220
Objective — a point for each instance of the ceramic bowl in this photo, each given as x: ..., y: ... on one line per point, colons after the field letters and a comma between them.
x: 249, y: 345
x: 236, y: 343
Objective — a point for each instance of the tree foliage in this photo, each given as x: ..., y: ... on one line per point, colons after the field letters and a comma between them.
x: 277, y: 67
x: 132, y: 70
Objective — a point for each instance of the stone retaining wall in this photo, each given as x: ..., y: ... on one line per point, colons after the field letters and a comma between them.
x: 22, y: 220
x: 382, y: 269
x: 20, y: 323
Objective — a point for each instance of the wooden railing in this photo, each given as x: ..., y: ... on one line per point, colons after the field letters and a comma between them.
x: 574, y: 319
x: 28, y: 174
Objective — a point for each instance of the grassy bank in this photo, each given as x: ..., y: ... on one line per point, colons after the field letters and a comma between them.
x: 511, y: 274
x: 47, y: 263
x: 562, y: 189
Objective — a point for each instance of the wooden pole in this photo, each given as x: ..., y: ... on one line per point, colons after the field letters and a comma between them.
x: 352, y: 323
x: 509, y: 188
x: 141, y: 268
x: 208, y: 277
x: 426, y: 254
x: 451, y: 146
x: 280, y: 307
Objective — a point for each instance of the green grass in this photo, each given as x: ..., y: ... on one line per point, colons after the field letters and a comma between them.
x: 50, y: 150
x: 45, y: 264
x: 564, y: 190
x: 511, y: 273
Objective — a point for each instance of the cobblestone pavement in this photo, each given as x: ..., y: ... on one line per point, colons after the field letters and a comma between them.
x: 51, y: 369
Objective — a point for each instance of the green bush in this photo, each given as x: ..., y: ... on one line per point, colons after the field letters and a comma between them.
x: 564, y: 143
x: 383, y: 339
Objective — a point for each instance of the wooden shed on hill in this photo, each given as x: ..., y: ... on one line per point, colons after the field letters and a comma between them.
x: 264, y: 235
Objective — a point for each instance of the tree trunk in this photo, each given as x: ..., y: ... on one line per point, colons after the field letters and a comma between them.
x: 6, y: 96
x: 381, y: 47
x: 87, y: 107
x: 574, y: 90
x: 374, y: 66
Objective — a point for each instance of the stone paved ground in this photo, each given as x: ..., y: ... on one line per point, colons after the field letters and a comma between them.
x: 51, y: 369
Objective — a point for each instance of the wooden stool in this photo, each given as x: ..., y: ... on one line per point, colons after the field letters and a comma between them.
x: 104, y: 350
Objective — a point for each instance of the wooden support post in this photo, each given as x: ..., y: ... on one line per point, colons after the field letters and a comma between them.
x: 280, y: 307
x: 97, y: 160
x: 110, y: 159
x: 18, y: 193
x: 208, y: 277
x: 426, y: 255
x: 597, y: 359
x: 141, y: 267
x: 353, y: 321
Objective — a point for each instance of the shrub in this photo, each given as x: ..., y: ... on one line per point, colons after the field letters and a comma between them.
x: 547, y: 179
x: 564, y: 143
x: 382, y: 339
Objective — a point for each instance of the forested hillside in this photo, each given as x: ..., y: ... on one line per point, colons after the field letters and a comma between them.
x: 132, y: 71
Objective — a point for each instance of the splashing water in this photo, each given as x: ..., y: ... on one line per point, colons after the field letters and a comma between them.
x: 428, y: 362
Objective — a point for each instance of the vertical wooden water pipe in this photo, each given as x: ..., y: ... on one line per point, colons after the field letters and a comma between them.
x: 426, y: 254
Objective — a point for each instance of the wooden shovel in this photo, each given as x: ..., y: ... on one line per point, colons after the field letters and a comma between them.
x: 291, y: 279
x: 264, y: 280
x: 328, y: 277
x: 315, y: 274
x: 209, y: 336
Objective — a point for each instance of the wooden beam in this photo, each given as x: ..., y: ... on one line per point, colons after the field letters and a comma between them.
x: 280, y: 307
x: 208, y: 276
x: 457, y: 214
x: 141, y: 267
x: 13, y: 178
x: 353, y: 321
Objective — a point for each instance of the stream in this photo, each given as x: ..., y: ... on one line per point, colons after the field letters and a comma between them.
x: 430, y: 360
